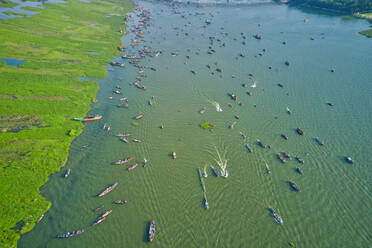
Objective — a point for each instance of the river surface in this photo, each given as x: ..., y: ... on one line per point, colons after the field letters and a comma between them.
x: 333, y: 208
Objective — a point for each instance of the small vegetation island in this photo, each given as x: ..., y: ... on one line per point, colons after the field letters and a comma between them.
x: 39, y: 97
x: 357, y: 8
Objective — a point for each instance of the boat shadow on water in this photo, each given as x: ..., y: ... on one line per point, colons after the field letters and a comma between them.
x: 145, y: 237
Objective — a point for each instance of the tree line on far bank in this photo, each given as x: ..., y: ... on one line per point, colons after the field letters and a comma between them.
x: 349, y: 6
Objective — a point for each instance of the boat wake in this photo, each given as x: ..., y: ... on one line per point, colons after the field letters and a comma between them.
x: 217, y: 105
x: 222, y: 163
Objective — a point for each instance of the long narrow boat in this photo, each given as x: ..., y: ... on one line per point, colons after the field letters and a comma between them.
x: 277, y: 218
x: 132, y: 167
x: 99, y: 220
x: 319, y: 141
x: 152, y: 231
x: 122, y: 139
x: 206, y: 205
x: 88, y: 118
x: 105, y: 214
x: 294, y: 186
x: 70, y: 234
x: 108, y: 189
x: 268, y: 171
x: 139, y: 117
x: 215, y: 172
x: 248, y: 148
x: 299, y: 131
x: 224, y: 174
x: 67, y: 173
x: 123, y: 161
x: 123, y: 134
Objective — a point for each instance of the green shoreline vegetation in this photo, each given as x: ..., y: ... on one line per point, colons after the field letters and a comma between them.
x: 7, y: 4
x: 39, y: 98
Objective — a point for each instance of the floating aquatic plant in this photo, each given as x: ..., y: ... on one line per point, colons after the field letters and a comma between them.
x: 135, y: 124
x: 207, y: 125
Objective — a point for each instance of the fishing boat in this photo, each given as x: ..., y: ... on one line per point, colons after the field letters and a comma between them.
x: 162, y: 126
x: 99, y: 208
x: 99, y: 220
x: 117, y: 92
x: 40, y: 218
x: 294, y: 186
x: 114, y: 63
x: 260, y: 143
x: 123, y: 135
x: 288, y: 111
x: 129, y: 56
x: 215, y: 172
x: 225, y: 174
x: 281, y: 158
x: 268, y: 171
x: 123, y: 161
x: 233, y: 96
x: 124, y: 140
x: 206, y: 205
x: 132, y: 167
x: 202, y: 111
x: 174, y: 155
x: 248, y: 148
x: 139, y: 117
x: 150, y: 102
x: 299, y: 170
x: 120, y: 202
x: 152, y: 231
x: 144, y: 163
x: 136, y: 140
x: 284, y: 136
x: 88, y: 118
x: 349, y: 160
x: 70, y: 234
x: 108, y: 189
x: 286, y: 155
x: 205, y: 175
x: 277, y: 218
x: 67, y: 173
x: 300, y: 160
x: 122, y: 105
x: 319, y: 141
x: 299, y: 131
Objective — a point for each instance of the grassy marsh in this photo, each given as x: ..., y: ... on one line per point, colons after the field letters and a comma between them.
x: 39, y: 98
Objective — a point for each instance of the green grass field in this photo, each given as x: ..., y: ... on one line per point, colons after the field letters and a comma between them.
x: 39, y: 98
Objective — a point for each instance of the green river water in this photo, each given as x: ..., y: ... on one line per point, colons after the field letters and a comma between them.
x: 333, y: 208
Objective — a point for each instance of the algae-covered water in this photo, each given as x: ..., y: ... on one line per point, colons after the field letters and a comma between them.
x: 333, y: 207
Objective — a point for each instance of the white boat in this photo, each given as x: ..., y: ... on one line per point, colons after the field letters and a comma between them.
x: 205, y: 175
x: 225, y: 174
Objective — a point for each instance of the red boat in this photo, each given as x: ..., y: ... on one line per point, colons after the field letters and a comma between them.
x: 152, y: 231
x: 132, y: 167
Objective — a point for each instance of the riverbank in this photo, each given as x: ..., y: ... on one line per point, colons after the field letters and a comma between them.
x: 39, y: 97
x: 367, y: 16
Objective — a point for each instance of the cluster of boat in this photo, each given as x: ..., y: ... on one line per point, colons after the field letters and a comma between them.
x: 70, y: 234
x: 102, y: 218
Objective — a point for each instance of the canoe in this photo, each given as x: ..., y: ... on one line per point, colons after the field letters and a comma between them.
x: 88, y: 118
x: 108, y: 189
x: 152, y: 231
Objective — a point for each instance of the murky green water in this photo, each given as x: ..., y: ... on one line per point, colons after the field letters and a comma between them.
x: 333, y: 209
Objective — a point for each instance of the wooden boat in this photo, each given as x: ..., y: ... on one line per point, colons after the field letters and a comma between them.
x: 202, y: 111
x: 129, y: 56
x: 136, y: 140
x: 123, y: 135
x: 99, y: 208
x: 299, y: 170
x: 152, y: 231
x: 299, y: 131
x: 88, y: 118
x: 144, y: 163
x: 204, y: 174
x: 113, y: 63
x: 124, y: 140
x: 174, y: 156
x: 277, y: 218
x: 120, y: 202
x: 281, y: 158
x: 132, y: 167
x: 286, y: 155
x: 105, y: 214
x: 99, y: 220
x: 108, y: 189
x: 123, y: 161
x: 349, y: 160
x: 139, y: 117
x: 294, y: 186
x: 225, y: 174
x: 122, y: 105
x: 117, y: 92
x: 284, y: 136
x: 300, y: 160
x: 319, y: 141
x: 215, y: 172
x: 288, y: 111
x: 67, y: 173
x: 248, y: 148
x: 206, y: 205
x: 268, y: 171
x: 70, y: 234
x: 150, y: 102
x: 259, y: 142
x: 233, y: 96
x: 40, y: 218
